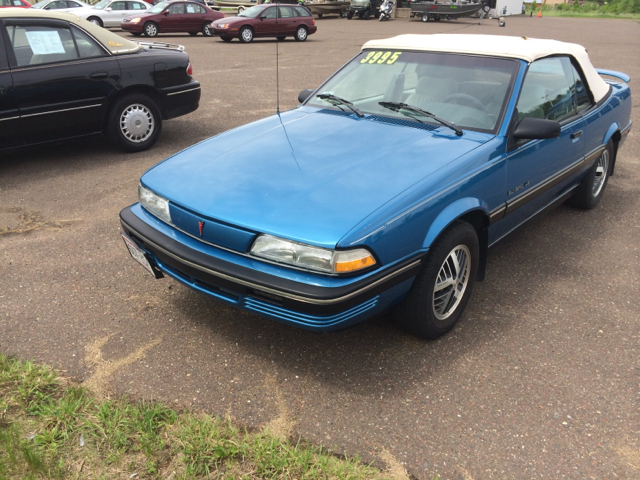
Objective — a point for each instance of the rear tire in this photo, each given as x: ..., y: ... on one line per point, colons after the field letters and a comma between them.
x: 281, y: 38
x: 319, y: 15
x: 206, y: 30
x: 150, y: 29
x: 301, y: 34
x: 349, y: 14
x: 134, y: 123
x: 246, y: 35
x: 193, y: 34
x: 343, y: 14
x: 136, y: 34
x: 241, y: 9
x: 425, y: 17
x: 591, y: 189
x: 367, y: 14
x: 442, y: 289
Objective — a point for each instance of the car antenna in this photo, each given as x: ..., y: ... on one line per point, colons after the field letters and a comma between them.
x: 277, y: 66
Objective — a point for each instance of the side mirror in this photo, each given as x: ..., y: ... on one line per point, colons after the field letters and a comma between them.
x: 166, y: 12
x: 262, y: 17
x: 536, y: 129
x: 304, y: 94
x: 108, y: 9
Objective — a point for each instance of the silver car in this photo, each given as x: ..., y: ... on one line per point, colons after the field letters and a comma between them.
x: 110, y: 13
x: 61, y: 5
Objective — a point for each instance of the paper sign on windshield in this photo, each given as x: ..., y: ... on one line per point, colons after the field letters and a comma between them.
x: 45, y: 43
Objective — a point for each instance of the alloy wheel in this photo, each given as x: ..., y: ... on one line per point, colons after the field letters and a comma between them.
x: 451, y: 282
x: 601, y: 174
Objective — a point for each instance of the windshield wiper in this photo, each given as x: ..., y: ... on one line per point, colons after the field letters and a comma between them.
x: 397, y: 107
x: 331, y: 98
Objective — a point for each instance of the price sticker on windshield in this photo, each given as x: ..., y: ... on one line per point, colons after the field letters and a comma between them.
x: 386, y: 58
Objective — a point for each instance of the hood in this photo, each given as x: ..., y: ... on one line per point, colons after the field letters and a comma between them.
x: 309, y: 175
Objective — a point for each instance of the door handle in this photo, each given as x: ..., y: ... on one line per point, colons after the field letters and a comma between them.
x: 98, y: 75
x: 577, y: 134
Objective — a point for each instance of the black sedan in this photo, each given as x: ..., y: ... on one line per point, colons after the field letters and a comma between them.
x: 62, y: 77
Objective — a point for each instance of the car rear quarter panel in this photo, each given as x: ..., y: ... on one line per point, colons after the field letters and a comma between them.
x: 609, y: 118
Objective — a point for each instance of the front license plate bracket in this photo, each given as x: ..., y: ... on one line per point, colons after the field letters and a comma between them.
x: 141, y: 257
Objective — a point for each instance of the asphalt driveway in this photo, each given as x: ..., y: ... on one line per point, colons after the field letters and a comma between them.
x: 541, y: 379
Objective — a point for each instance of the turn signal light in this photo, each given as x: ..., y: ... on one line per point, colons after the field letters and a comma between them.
x: 353, y: 265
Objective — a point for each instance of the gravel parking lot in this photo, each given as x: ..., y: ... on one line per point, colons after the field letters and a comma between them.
x: 541, y: 378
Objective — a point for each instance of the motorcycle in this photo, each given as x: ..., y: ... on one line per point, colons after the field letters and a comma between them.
x: 386, y: 9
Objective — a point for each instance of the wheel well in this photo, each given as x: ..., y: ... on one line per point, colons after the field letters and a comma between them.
x: 616, y: 140
x: 142, y: 89
x: 480, y: 222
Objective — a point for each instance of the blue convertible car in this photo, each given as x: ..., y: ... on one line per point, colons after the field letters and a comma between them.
x: 388, y: 184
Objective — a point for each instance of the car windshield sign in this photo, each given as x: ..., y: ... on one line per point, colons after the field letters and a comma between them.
x: 467, y: 91
x: 252, y: 12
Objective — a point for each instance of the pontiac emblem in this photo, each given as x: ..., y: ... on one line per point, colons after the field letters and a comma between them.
x: 200, y: 226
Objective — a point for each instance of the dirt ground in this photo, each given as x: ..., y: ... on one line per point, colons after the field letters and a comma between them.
x: 541, y: 379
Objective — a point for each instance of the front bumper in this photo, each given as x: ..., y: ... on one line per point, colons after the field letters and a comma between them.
x: 305, y: 305
x: 131, y: 27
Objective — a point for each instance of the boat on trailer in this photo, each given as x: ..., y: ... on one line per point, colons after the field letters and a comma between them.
x: 448, y: 10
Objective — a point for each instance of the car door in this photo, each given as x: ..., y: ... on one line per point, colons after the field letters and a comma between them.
x: 538, y: 170
x: 62, y: 78
x: 10, y: 133
x: 113, y: 14
x: 176, y: 20
x: 266, y: 24
x: 195, y: 17
x: 287, y: 21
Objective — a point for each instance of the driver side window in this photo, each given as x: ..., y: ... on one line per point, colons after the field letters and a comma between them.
x: 176, y: 9
x: 548, y: 90
x: 270, y: 13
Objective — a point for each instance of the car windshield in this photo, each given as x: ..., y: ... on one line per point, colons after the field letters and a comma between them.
x: 158, y: 8
x: 252, y: 12
x: 102, y: 4
x: 468, y: 91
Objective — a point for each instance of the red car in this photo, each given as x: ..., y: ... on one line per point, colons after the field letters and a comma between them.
x: 267, y: 20
x: 166, y: 17
x: 14, y: 4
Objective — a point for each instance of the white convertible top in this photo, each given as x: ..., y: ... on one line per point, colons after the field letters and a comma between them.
x: 524, y: 48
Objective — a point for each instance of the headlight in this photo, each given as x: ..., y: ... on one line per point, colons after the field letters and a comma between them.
x: 136, y: 20
x: 223, y: 25
x: 312, y: 258
x: 155, y: 204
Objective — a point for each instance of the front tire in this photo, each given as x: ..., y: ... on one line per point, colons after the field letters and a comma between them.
x: 206, y: 30
x: 226, y: 39
x: 136, y: 34
x: 134, y: 123
x: 442, y: 289
x: 281, y: 38
x: 96, y: 21
x: 150, y: 29
x: 590, y: 191
x: 301, y: 34
x: 367, y: 14
x: 349, y: 14
x: 425, y: 17
x: 246, y: 35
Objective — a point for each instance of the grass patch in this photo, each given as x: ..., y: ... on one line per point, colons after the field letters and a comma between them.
x: 51, y: 429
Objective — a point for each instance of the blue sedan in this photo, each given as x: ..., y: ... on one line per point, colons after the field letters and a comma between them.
x: 385, y: 188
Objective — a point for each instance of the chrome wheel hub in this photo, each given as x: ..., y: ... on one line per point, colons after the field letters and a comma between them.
x: 247, y: 35
x: 451, y: 282
x: 302, y: 34
x: 137, y: 123
x: 601, y: 173
x: 151, y: 30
